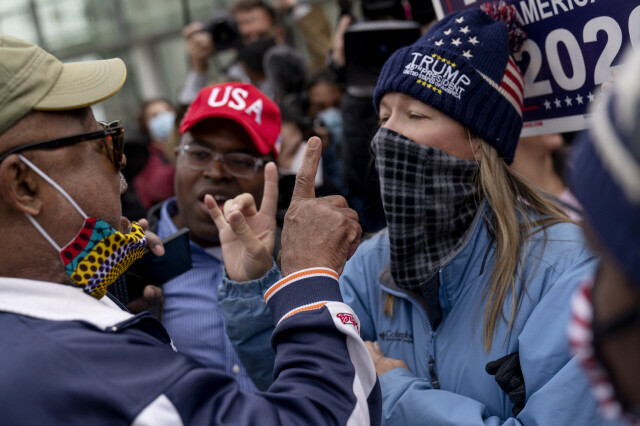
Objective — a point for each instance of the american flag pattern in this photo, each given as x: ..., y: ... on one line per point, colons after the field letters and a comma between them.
x: 461, y: 36
x: 581, y: 344
x: 511, y: 86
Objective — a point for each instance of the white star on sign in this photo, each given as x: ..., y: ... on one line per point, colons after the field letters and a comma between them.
x: 473, y: 40
x: 590, y: 96
x: 460, y: 20
x: 456, y: 41
x: 467, y: 54
x: 447, y: 32
x: 579, y: 99
x: 547, y: 104
x: 558, y: 103
x: 568, y: 100
x: 465, y: 29
x: 439, y: 42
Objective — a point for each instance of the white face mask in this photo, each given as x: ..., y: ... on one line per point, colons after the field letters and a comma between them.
x: 296, y: 163
x: 161, y: 125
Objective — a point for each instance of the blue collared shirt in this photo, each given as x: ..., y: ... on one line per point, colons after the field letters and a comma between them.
x: 191, y: 313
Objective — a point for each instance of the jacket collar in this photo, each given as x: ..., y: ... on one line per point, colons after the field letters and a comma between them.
x: 473, y: 259
x: 57, y: 302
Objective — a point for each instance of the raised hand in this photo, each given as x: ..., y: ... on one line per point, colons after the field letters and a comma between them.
x: 317, y: 232
x: 199, y: 45
x: 247, y: 235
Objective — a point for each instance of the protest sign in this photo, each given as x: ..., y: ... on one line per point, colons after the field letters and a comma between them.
x: 572, y: 47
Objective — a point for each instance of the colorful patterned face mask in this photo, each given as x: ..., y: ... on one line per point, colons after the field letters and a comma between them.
x: 99, y: 254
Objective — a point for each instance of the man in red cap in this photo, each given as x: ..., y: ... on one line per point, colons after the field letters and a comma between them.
x: 229, y: 134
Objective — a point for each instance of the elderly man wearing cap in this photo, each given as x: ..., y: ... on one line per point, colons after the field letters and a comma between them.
x: 228, y: 135
x: 70, y: 355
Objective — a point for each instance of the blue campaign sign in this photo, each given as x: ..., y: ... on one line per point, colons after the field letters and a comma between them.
x: 572, y: 47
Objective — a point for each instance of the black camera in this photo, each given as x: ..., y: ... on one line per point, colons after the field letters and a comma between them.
x: 400, y: 10
x: 224, y: 31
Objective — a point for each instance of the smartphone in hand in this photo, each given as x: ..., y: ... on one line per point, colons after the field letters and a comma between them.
x: 157, y: 270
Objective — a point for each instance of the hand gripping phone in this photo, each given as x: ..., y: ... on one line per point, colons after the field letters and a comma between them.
x: 157, y: 270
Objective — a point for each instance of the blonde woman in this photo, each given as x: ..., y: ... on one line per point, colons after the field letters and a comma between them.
x: 475, y: 270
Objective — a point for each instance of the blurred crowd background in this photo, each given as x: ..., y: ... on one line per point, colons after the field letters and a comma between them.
x: 146, y: 34
x: 317, y: 59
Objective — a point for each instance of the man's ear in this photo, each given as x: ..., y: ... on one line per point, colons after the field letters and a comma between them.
x: 19, y: 187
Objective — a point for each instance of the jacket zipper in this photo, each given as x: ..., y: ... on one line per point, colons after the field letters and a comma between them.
x: 433, y: 377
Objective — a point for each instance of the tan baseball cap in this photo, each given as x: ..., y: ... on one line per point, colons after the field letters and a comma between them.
x: 32, y: 79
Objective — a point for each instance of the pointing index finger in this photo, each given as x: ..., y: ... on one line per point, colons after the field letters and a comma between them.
x: 306, y: 176
x: 269, y: 204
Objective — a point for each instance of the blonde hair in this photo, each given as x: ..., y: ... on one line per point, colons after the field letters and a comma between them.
x: 513, y: 204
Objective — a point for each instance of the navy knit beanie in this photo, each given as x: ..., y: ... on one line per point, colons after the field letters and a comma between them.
x: 463, y: 67
x: 605, y: 169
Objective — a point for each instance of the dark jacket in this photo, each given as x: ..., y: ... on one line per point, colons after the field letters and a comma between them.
x: 70, y: 359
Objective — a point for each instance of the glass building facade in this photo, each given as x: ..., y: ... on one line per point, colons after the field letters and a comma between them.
x: 146, y: 34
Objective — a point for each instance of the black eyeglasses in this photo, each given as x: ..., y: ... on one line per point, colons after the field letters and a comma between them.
x: 113, y: 135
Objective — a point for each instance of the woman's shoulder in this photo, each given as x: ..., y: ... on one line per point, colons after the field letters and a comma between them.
x: 560, y: 246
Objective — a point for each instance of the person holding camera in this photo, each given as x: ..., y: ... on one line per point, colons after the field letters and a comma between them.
x: 251, y: 27
x: 464, y: 297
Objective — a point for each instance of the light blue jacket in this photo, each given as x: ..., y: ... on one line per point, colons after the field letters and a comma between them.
x: 556, y: 261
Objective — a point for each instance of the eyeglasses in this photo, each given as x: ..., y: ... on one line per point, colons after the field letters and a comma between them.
x: 236, y: 164
x: 112, y: 133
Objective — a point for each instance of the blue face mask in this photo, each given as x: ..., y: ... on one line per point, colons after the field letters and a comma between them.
x: 161, y: 125
x: 331, y: 119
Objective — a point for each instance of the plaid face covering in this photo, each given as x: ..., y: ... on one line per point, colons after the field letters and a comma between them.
x: 429, y: 200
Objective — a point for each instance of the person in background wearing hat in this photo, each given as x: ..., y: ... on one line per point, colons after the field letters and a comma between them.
x: 228, y: 135
x: 539, y: 160
x: 72, y: 356
x: 605, y: 178
x: 466, y: 293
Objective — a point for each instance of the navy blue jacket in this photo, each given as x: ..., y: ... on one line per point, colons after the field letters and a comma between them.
x: 70, y: 359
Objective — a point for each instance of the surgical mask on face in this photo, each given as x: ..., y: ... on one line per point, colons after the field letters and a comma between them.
x: 581, y: 342
x: 161, y: 125
x: 296, y: 163
x: 99, y: 253
x: 331, y: 119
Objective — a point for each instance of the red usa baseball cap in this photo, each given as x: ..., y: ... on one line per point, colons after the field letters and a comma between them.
x: 242, y: 103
